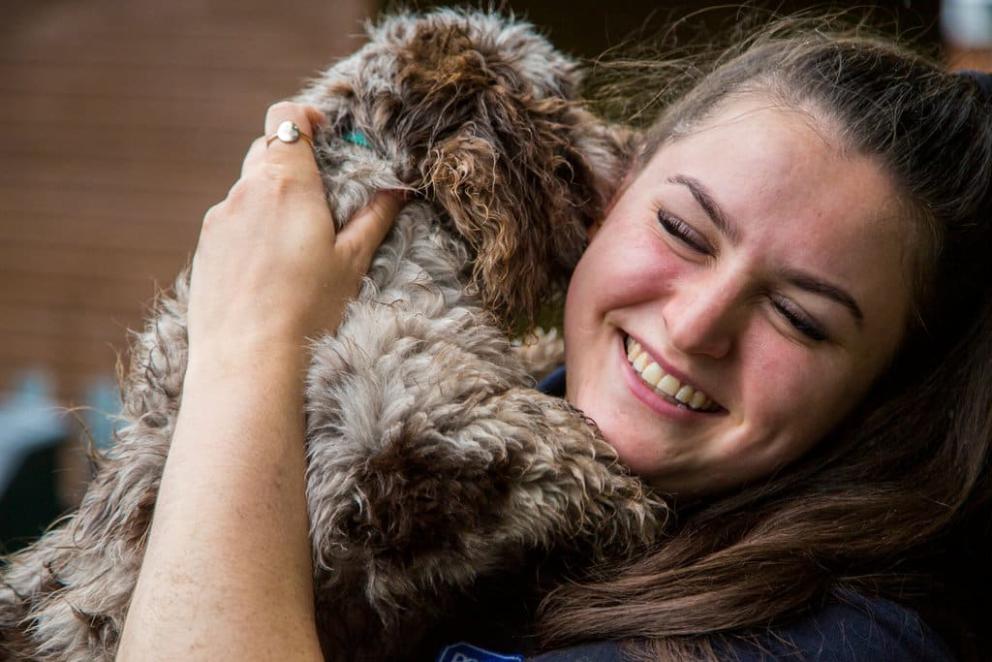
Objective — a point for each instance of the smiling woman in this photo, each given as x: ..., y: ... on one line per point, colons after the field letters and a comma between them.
x: 741, y: 275
x: 784, y: 322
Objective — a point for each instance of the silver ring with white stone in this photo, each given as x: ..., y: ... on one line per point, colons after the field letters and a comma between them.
x: 288, y: 132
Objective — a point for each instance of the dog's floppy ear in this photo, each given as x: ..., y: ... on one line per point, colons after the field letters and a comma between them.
x: 520, y: 170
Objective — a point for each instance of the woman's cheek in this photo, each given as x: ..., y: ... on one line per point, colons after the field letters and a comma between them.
x: 791, y: 396
x: 611, y: 275
x: 649, y: 268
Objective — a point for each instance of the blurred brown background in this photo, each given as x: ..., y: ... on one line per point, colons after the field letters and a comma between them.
x: 122, y: 123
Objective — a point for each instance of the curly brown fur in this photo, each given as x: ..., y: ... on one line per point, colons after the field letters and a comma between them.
x: 431, y: 461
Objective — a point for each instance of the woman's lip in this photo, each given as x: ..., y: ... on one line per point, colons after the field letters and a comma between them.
x: 647, y: 395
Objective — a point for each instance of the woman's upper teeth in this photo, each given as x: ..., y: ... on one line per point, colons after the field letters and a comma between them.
x: 662, y: 382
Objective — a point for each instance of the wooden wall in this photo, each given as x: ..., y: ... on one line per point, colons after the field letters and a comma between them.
x: 122, y: 122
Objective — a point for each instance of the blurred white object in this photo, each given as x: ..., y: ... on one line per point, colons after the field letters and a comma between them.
x: 967, y: 23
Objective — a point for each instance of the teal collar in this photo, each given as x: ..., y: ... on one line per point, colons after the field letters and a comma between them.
x: 358, y: 138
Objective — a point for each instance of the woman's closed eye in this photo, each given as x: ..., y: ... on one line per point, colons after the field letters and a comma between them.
x: 799, y: 319
x: 792, y: 313
x: 684, y: 232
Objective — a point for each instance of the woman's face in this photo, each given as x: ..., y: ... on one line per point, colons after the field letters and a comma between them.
x: 761, y: 270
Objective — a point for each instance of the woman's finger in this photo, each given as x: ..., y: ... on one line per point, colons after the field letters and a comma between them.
x: 295, y: 154
x: 362, y: 234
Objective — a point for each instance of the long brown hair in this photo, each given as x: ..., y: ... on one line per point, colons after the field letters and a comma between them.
x: 874, y: 507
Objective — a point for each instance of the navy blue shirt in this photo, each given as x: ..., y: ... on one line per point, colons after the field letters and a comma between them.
x: 850, y: 630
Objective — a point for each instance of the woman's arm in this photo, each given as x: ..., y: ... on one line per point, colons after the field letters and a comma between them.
x: 227, y: 571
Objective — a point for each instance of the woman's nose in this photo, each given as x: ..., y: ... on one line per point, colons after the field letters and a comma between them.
x: 702, y: 317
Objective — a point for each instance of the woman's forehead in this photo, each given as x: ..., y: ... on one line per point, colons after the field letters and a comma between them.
x: 762, y: 162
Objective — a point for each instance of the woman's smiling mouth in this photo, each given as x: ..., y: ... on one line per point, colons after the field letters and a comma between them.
x: 660, y: 390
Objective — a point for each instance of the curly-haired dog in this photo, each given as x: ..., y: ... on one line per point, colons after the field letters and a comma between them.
x: 432, y: 463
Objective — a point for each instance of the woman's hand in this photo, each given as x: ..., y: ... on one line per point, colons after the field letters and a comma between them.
x: 269, y: 266
x: 227, y: 572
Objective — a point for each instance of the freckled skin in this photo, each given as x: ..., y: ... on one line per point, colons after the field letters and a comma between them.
x: 799, y: 203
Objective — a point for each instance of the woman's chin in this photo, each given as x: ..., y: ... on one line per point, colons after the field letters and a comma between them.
x: 645, y: 456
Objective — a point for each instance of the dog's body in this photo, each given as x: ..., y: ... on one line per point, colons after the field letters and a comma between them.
x: 431, y: 460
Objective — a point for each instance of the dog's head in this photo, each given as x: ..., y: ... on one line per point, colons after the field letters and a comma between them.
x: 477, y: 113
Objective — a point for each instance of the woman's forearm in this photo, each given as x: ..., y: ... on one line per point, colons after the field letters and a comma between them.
x: 227, y: 571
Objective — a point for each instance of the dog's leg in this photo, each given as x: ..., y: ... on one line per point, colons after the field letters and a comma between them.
x: 431, y: 465
x: 439, y: 507
x: 450, y: 500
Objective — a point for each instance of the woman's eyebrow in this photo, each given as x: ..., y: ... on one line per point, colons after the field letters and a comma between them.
x: 817, y: 286
x: 709, y: 205
x: 797, y: 278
